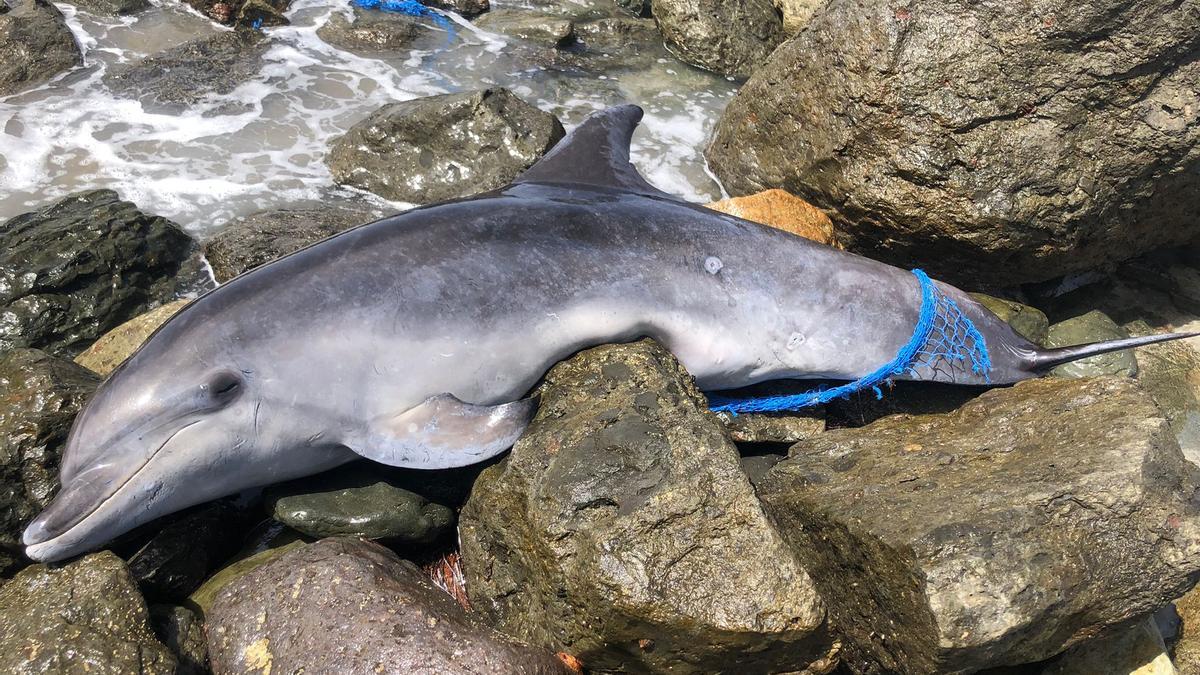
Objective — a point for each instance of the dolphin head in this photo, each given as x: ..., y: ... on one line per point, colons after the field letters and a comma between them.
x: 181, y: 422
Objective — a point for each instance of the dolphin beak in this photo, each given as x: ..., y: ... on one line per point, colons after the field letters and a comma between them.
x: 76, y: 501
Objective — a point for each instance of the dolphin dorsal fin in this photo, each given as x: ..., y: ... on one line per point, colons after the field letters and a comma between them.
x: 595, y: 153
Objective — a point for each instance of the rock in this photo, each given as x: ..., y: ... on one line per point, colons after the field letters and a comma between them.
x: 1170, y: 372
x: 925, y: 130
x: 264, y: 236
x: 774, y: 427
x: 180, y: 556
x: 120, y: 343
x: 277, y: 541
x: 1091, y: 327
x: 782, y: 211
x: 187, y: 74
x: 359, y: 500
x: 442, y: 147
x: 1026, y: 522
x: 467, y: 8
x: 542, y: 28
x: 35, y: 46
x: 112, y: 7
x: 797, y: 13
x: 1029, y: 322
x: 76, y: 269
x: 39, y: 397
x: 85, y: 617
x: 622, y: 530
x: 730, y: 37
x: 183, y: 633
x: 351, y: 606
x: 372, y: 32
x: 1135, y: 650
x: 1187, y: 647
x: 244, y: 13
x: 617, y: 33
x: 635, y: 7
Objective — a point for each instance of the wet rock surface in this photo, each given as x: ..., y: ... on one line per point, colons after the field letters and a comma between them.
x: 112, y: 7
x: 360, y: 500
x: 730, y: 37
x: 120, y: 343
x: 39, y: 397
x: 622, y: 530
x: 373, y: 32
x: 187, y: 74
x: 467, y: 8
x: 262, y: 237
x: 85, y: 617
x: 1091, y: 327
x: 182, y: 632
x: 350, y: 606
x: 35, y: 45
x: 1029, y: 322
x: 441, y: 147
x: 541, y: 28
x: 1134, y: 650
x: 1170, y: 372
x: 993, y: 142
x: 244, y: 13
x: 1029, y: 520
x: 82, y: 266
x: 270, y: 542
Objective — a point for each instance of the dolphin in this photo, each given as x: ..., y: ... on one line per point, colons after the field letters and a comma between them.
x: 415, y: 340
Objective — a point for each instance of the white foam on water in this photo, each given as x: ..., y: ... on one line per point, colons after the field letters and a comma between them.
x: 263, y: 145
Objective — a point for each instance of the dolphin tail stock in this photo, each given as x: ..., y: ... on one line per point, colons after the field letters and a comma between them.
x: 1045, y: 359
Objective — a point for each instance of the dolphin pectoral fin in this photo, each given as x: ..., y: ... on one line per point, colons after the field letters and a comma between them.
x: 444, y: 432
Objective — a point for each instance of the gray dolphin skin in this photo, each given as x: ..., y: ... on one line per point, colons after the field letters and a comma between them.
x: 415, y: 340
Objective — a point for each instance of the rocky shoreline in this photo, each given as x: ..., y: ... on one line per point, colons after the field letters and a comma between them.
x: 1048, y: 528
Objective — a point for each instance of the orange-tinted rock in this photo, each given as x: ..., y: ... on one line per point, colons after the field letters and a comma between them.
x: 783, y: 210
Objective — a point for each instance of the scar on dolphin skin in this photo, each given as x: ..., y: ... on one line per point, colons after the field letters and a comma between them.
x: 314, y: 360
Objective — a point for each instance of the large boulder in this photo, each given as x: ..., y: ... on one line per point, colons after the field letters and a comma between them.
x: 35, y: 45
x: 547, y: 29
x: 730, y: 37
x: 252, y: 14
x: 442, y: 147
x: 76, y: 269
x: 1029, y: 520
x: 351, y: 606
x: 1005, y: 142
x: 622, y: 530
x: 1170, y: 371
x: 187, y: 74
x: 1095, y: 326
x: 372, y: 32
x: 264, y: 236
x: 39, y: 397
x: 85, y: 617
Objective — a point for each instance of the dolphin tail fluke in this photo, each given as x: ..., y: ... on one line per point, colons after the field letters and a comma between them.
x: 1045, y: 359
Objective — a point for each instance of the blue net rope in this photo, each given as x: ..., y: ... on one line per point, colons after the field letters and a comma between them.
x: 409, y: 7
x: 943, y: 339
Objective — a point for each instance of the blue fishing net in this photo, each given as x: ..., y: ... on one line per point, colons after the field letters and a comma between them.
x: 943, y: 342
x: 409, y: 7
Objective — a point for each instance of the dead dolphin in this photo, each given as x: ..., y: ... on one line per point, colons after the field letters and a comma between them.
x: 413, y: 340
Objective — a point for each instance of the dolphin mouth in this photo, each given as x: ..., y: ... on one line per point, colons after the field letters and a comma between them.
x: 87, y: 492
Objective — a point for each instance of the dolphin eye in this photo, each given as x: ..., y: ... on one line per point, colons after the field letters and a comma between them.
x: 224, y: 386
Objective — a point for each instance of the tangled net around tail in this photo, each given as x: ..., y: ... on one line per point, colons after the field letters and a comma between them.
x: 944, y: 339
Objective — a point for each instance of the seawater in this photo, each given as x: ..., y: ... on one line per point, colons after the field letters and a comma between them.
x: 263, y: 145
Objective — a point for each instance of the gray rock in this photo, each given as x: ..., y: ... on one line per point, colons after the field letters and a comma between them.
x: 351, y: 606
x: 617, y: 33
x: 635, y: 7
x: 183, y: 633
x: 442, y: 147
x: 1031, y: 519
x: 542, y: 28
x: 264, y: 236
x: 467, y: 8
x: 112, y: 7
x: 1091, y: 327
x: 992, y: 142
x: 35, y: 45
x: 39, y: 397
x: 85, y: 617
x: 373, y: 32
x: 267, y: 543
x: 74, y: 270
x: 797, y: 13
x: 1170, y: 371
x: 774, y: 427
x: 359, y: 500
x: 1136, y: 649
x: 622, y: 530
x: 180, y: 556
x: 1029, y: 322
x: 187, y: 74
x: 730, y: 37
x: 244, y: 13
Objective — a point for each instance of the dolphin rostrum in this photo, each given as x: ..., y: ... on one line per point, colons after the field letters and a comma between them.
x: 414, y: 340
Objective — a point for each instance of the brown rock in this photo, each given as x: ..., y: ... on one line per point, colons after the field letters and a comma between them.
x: 784, y: 211
x: 120, y: 343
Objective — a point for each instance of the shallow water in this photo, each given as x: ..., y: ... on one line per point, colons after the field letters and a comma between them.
x: 263, y: 145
